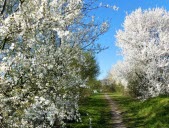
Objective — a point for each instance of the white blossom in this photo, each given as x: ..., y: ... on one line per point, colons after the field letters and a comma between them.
x: 12, y: 46
x: 144, y: 47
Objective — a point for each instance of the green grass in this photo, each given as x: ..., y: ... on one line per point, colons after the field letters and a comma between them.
x: 96, y: 108
x: 152, y: 113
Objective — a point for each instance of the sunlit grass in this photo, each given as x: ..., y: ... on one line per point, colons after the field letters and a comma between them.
x: 152, y: 113
x: 95, y: 108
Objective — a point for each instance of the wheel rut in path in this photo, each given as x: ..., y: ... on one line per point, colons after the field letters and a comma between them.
x: 116, y: 114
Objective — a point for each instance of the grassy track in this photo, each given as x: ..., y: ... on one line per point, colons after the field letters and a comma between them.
x: 97, y: 109
x: 152, y: 113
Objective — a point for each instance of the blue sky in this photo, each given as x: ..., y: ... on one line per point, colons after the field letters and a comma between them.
x: 109, y: 57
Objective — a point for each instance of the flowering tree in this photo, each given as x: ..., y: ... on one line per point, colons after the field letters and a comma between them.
x: 41, y: 90
x: 40, y: 41
x: 144, y: 46
x: 39, y: 17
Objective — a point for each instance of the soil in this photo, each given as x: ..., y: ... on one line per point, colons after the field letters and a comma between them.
x: 116, y: 113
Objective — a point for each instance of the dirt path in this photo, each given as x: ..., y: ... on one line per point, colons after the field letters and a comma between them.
x: 116, y: 114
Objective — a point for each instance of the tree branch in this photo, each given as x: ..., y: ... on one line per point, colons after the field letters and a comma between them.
x: 3, y: 8
x: 3, y: 43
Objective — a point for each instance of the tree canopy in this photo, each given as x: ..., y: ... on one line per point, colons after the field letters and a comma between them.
x: 40, y: 40
x: 144, y: 46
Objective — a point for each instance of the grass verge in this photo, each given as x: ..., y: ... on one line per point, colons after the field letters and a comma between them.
x: 95, y: 108
x: 151, y: 113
